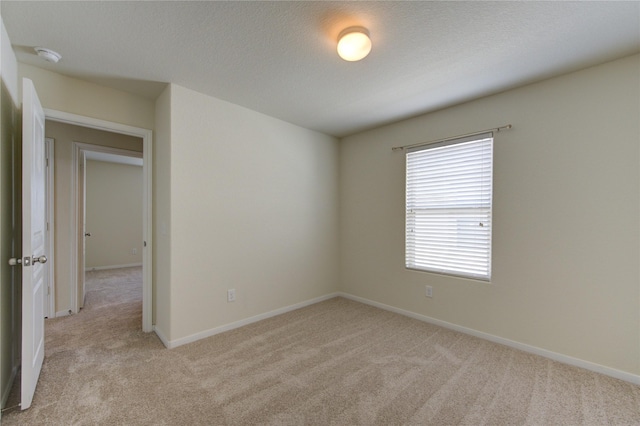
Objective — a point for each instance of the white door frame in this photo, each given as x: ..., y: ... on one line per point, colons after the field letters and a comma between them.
x: 76, y: 232
x: 50, y: 296
x: 147, y: 210
x: 78, y: 151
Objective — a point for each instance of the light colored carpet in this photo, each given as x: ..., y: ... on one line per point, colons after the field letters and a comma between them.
x: 334, y: 363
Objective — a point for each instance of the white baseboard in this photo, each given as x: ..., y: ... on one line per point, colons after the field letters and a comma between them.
x: 8, y: 386
x: 63, y: 313
x: 102, y: 268
x: 565, y: 359
x: 217, y: 330
x: 161, y: 336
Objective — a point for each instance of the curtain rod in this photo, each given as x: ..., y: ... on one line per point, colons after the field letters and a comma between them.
x: 495, y: 129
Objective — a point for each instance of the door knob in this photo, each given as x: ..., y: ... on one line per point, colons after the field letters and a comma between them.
x: 15, y: 261
x: 41, y: 259
x: 87, y: 234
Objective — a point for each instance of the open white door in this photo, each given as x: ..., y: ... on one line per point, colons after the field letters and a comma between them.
x: 33, y: 241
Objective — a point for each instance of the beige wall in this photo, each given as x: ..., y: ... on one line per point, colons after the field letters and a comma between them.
x: 80, y: 97
x: 113, y: 214
x: 64, y: 135
x: 10, y: 244
x: 162, y: 212
x: 253, y: 207
x: 566, y: 217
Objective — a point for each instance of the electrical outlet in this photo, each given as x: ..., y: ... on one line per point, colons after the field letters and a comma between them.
x: 428, y: 291
x: 231, y: 295
x: 134, y: 251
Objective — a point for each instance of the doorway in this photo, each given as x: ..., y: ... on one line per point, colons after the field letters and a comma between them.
x: 109, y: 217
x: 75, y: 267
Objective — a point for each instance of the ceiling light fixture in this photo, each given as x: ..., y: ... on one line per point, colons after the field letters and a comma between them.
x: 354, y: 44
x: 48, y: 54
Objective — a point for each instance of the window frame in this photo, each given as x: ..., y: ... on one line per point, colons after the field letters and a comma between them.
x: 412, y: 262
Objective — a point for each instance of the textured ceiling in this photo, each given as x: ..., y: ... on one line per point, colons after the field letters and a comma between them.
x: 279, y: 57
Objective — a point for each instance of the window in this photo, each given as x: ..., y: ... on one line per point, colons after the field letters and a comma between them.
x: 448, y: 207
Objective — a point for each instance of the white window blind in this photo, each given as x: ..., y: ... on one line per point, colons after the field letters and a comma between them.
x: 448, y: 207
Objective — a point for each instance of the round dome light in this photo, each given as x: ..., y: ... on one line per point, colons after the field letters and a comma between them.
x: 354, y: 44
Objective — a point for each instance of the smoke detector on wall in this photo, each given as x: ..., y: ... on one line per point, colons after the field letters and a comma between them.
x: 48, y: 54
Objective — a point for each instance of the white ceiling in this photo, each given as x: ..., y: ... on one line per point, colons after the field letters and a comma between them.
x: 279, y: 58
